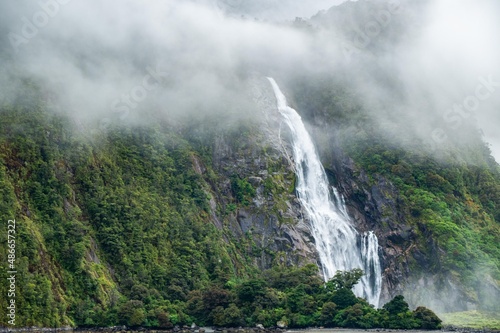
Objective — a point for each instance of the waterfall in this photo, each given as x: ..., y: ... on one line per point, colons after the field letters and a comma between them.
x: 339, y: 245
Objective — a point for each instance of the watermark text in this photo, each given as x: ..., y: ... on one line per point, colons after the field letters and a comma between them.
x: 11, y: 272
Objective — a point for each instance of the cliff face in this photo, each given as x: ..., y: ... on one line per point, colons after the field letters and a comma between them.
x: 405, y: 197
x: 410, y: 255
x: 375, y: 205
x: 415, y: 259
x: 272, y: 224
x: 272, y: 219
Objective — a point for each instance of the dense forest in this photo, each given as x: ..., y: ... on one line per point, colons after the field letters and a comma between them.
x: 118, y: 231
x: 184, y: 208
x: 115, y: 227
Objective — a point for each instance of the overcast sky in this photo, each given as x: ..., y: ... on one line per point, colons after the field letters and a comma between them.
x: 94, y: 54
x: 276, y: 10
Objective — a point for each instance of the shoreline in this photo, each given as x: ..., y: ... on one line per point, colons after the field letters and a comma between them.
x: 124, y: 329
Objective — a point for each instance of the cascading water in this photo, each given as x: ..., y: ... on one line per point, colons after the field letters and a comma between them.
x: 339, y: 245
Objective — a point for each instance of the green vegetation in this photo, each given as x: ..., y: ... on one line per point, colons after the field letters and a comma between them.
x: 243, y: 190
x: 298, y: 297
x: 449, y: 197
x: 112, y: 228
x: 472, y: 319
x: 117, y: 227
x: 459, y: 202
x: 118, y: 231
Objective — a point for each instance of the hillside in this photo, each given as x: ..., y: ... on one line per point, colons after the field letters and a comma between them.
x: 153, y: 213
x: 184, y: 208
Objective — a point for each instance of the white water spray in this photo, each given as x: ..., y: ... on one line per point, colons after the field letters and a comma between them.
x: 339, y: 245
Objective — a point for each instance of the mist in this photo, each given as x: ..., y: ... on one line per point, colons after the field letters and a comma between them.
x: 425, y: 70
x: 454, y: 63
x: 126, y: 58
x: 275, y: 10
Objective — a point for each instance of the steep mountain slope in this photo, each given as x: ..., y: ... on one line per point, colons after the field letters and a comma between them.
x: 106, y: 215
x: 163, y: 221
x: 434, y: 203
x: 150, y: 213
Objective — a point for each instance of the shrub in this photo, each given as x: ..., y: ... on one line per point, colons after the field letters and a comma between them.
x: 344, y: 298
x: 427, y: 319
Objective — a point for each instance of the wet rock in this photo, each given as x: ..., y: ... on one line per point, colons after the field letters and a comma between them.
x: 281, y: 324
x: 255, y: 181
x: 274, y: 219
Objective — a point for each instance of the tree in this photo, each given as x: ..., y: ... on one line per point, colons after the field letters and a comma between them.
x: 399, y: 314
x: 345, y: 279
x: 299, y: 301
x: 195, y: 306
x: 163, y: 319
x: 214, y: 297
x: 229, y: 317
x: 328, y: 312
x: 351, y: 316
x: 250, y: 290
x: 137, y: 318
x: 427, y: 319
x: 397, y: 305
x: 140, y: 293
x: 132, y: 313
x: 344, y: 298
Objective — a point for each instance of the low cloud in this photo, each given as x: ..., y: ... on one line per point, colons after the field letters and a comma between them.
x: 96, y: 57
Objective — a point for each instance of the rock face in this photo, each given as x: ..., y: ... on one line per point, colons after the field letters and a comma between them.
x: 409, y: 254
x: 271, y: 226
x: 375, y: 207
x: 273, y: 229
